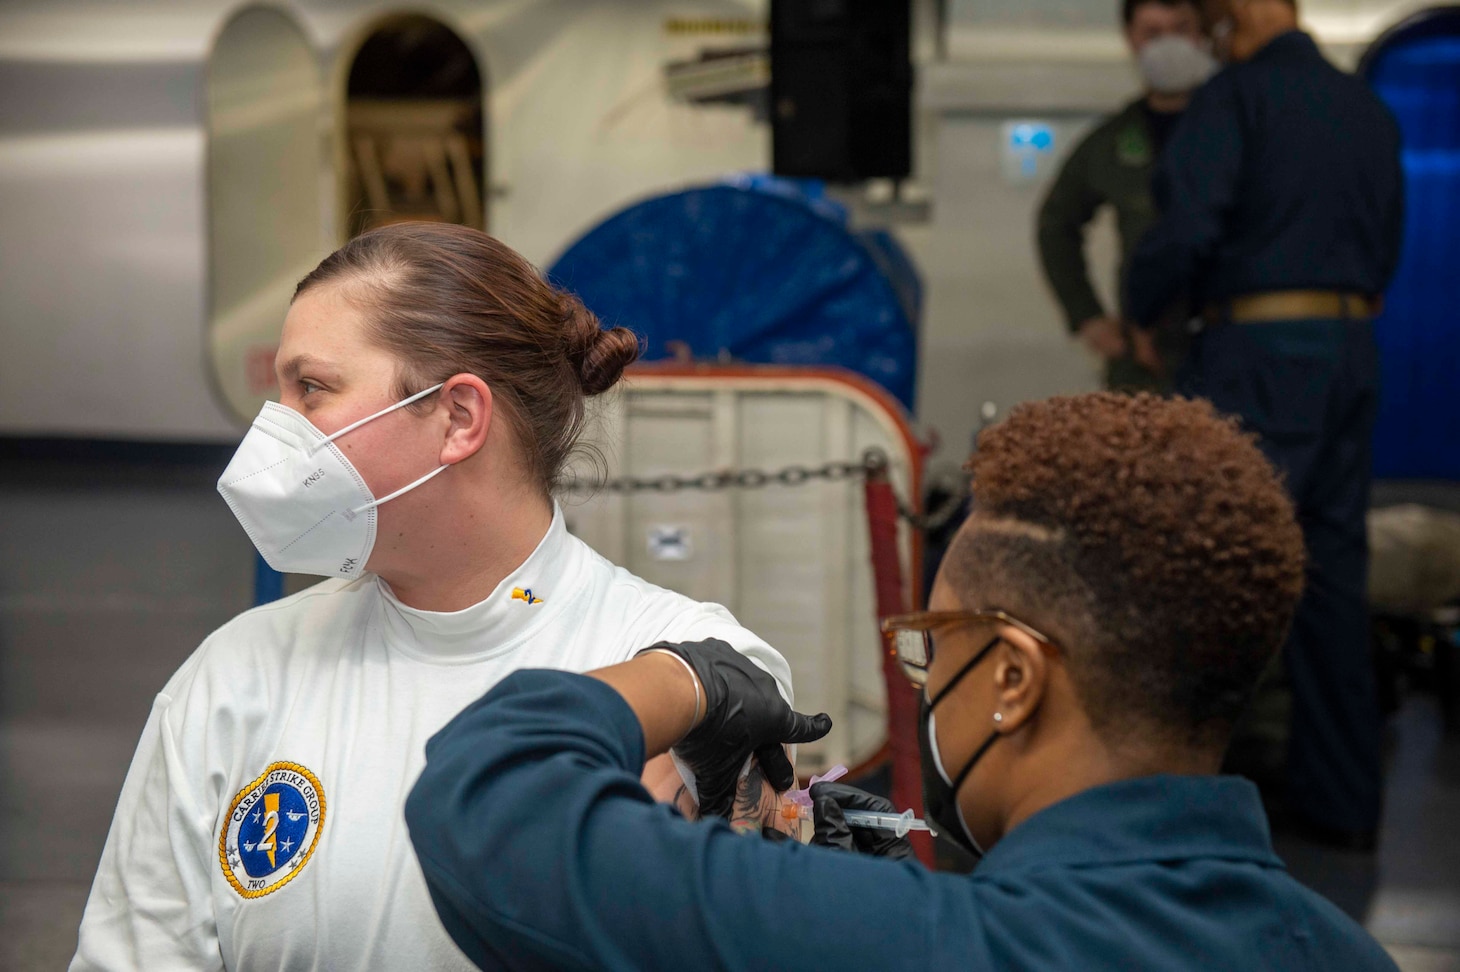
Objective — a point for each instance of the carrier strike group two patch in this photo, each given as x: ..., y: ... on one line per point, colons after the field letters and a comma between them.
x: 271, y: 830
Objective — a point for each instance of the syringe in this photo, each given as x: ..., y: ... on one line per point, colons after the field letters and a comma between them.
x: 898, y: 823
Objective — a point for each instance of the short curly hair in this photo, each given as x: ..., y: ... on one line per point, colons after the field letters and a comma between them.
x: 1152, y: 540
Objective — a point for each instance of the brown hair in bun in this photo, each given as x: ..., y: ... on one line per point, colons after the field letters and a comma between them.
x: 599, y: 355
x: 449, y: 300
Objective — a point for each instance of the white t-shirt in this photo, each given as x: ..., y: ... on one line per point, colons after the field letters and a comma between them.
x: 260, y: 824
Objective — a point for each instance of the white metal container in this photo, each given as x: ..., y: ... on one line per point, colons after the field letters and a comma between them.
x: 791, y: 562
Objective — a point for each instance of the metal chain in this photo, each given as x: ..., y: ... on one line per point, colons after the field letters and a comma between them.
x: 721, y: 479
x: 933, y: 519
x: 834, y: 471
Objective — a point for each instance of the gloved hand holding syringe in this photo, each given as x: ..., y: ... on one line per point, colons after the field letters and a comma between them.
x: 898, y: 823
x: 796, y: 805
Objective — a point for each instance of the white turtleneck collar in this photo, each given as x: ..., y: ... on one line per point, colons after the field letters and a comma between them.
x: 521, y: 604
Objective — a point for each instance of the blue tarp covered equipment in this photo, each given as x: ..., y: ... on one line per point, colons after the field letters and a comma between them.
x: 757, y: 270
x: 1416, y: 70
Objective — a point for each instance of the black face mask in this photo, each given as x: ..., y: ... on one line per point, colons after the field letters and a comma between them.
x: 940, y: 792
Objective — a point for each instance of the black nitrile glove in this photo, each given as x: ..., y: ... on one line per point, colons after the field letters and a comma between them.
x: 744, y: 714
x: 828, y: 800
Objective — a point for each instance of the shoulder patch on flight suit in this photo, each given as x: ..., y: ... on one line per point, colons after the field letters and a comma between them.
x: 1133, y: 146
x: 272, y: 828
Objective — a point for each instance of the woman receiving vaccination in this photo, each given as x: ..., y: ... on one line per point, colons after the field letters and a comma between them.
x: 432, y: 386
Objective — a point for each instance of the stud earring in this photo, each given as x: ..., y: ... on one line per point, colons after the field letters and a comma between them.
x: 998, y: 718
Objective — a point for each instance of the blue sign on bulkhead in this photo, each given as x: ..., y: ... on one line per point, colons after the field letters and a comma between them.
x: 1028, y: 149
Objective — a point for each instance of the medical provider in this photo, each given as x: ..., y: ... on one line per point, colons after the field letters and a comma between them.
x: 1112, y: 167
x: 1098, y: 625
x: 1283, y: 210
x: 431, y: 387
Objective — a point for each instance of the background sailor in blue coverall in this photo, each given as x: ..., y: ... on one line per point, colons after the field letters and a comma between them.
x: 1282, y: 198
x: 1097, y: 627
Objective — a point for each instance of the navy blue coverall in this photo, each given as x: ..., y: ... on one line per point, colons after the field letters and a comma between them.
x: 1284, y: 175
x: 543, y: 851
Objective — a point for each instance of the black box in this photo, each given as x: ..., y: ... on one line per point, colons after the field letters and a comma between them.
x: 841, y: 89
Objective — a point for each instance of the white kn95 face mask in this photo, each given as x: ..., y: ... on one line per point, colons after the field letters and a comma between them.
x: 304, y: 506
x: 1173, y: 65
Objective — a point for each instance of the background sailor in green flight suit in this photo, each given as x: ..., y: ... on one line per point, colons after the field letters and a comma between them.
x: 1113, y: 166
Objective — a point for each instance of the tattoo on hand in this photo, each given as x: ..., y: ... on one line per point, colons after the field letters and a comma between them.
x: 757, y: 806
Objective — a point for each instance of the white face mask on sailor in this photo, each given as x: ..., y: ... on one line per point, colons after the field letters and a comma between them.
x: 301, y: 501
x: 1173, y: 65
x: 1222, y: 31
